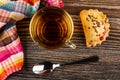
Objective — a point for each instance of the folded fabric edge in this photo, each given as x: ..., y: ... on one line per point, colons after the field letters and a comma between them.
x: 2, y: 24
x: 21, y: 7
x: 10, y: 49
x: 13, y: 64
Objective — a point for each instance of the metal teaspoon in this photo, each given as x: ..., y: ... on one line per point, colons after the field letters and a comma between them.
x: 47, y: 67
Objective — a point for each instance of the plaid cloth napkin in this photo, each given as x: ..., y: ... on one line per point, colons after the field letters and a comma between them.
x: 11, y: 51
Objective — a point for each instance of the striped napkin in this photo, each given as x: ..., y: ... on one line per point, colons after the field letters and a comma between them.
x: 11, y: 51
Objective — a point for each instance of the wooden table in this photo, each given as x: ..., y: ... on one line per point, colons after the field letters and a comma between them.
x: 107, y: 68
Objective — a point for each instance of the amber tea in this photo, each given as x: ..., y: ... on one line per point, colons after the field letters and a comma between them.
x: 51, y: 28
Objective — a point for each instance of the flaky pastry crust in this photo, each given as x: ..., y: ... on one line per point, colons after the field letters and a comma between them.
x: 95, y: 25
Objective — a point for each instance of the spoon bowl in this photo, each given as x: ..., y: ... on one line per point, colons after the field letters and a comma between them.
x: 44, y: 68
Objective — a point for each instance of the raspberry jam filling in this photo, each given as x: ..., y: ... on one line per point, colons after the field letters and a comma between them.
x: 103, y: 34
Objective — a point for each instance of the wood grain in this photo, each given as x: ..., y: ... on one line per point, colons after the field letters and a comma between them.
x: 107, y: 68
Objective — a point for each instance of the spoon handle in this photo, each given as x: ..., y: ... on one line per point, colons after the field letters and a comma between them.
x: 84, y: 61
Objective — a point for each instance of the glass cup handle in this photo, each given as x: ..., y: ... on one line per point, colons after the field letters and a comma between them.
x: 70, y: 44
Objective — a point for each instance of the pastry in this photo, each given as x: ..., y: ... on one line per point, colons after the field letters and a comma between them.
x: 95, y: 25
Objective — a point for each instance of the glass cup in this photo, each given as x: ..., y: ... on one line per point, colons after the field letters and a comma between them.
x: 52, y: 28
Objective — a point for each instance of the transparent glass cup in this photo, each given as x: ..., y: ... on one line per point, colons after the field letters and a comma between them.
x: 52, y: 28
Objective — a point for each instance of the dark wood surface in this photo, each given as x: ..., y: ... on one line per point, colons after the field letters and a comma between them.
x: 107, y: 68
